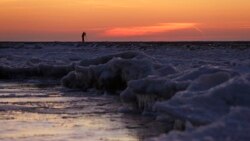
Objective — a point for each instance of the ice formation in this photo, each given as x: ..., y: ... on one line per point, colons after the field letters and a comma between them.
x: 207, y: 106
x: 202, y: 96
x: 111, y: 72
x: 145, y: 92
x: 208, y: 81
x: 107, y: 58
x: 233, y: 126
x: 202, y: 91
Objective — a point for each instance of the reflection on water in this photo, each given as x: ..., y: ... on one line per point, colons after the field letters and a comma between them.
x: 28, y: 112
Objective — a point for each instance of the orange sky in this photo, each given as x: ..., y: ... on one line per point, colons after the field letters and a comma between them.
x: 124, y: 20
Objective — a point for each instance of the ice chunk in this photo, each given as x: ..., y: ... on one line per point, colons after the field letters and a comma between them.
x: 167, y: 70
x: 151, y: 89
x: 110, y: 76
x: 206, y: 106
x: 233, y: 126
x: 193, y: 74
x: 207, y: 81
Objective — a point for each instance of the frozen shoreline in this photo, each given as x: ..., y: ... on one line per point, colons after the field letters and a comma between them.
x: 193, y: 87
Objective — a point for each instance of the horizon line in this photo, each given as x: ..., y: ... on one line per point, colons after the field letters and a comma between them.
x: 123, y: 41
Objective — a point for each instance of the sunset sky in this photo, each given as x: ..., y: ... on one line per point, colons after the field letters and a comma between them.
x: 124, y: 20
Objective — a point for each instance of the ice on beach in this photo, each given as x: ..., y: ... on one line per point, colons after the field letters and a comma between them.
x: 108, y: 76
x: 202, y: 90
x: 204, y: 107
x: 232, y: 126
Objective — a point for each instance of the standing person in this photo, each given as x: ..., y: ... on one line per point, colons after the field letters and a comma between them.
x: 83, y: 36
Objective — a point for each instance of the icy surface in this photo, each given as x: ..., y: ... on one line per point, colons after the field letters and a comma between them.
x: 233, y: 126
x: 201, y: 89
x: 207, y: 106
x: 46, y: 111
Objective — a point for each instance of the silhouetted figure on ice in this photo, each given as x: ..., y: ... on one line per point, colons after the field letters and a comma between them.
x: 83, y: 36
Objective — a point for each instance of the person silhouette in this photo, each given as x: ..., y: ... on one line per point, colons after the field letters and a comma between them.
x: 83, y: 36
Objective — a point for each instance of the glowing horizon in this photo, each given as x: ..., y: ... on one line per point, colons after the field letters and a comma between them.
x: 124, y: 20
x: 147, y: 30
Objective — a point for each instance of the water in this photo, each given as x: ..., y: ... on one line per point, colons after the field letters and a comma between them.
x: 32, y: 110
